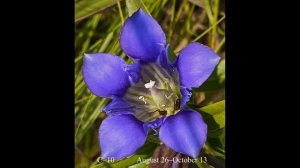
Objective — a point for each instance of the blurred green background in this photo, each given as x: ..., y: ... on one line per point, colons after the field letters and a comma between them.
x: 97, y: 29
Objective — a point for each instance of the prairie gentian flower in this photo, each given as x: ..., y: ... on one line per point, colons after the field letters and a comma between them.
x: 151, y: 93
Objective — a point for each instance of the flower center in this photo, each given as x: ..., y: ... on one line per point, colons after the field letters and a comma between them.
x: 157, y: 93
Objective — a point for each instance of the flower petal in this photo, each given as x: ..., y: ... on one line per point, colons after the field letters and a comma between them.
x: 134, y: 72
x: 118, y: 107
x: 154, y: 125
x: 195, y: 64
x: 185, y: 95
x: 121, y: 136
x: 105, y: 74
x: 184, y: 132
x: 163, y: 58
x: 142, y: 37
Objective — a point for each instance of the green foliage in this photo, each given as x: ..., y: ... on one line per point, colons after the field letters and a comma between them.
x: 86, y: 8
x: 214, y: 115
x: 97, y: 29
x: 221, y: 71
x: 132, y: 6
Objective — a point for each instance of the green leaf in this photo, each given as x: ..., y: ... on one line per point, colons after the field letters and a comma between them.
x: 214, y: 157
x: 143, y: 164
x: 172, y: 55
x: 217, y: 110
x: 221, y: 71
x: 214, y: 116
x: 86, y: 8
x: 218, y: 143
x: 91, y: 115
x: 132, y: 6
x: 202, y: 164
x: 154, y: 139
x: 217, y: 79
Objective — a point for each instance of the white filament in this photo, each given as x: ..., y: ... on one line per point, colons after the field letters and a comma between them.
x: 143, y: 98
x: 168, y: 97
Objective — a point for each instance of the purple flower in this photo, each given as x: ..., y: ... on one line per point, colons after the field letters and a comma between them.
x: 151, y: 93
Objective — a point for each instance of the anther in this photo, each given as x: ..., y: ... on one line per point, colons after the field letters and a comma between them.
x: 162, y: 112
x: 177, y: 104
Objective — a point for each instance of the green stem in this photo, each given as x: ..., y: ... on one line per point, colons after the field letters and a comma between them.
x: 208, y: 10
x: 81, y: 118
x: 144, y: 6
x: 220, y: 45
x: 215, y: 18
x: 206, y: 31
x: 172, y: 20
x: 120, y: 11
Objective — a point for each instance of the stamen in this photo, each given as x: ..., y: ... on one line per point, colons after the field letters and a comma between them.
x: 155, y: 131
x: 150, y: 84
x: 168, y: 97
x: 143, y: 99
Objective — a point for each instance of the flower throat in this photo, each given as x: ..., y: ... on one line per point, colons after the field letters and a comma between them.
x: 156, y: 95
